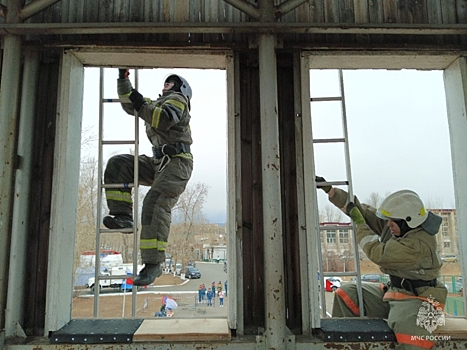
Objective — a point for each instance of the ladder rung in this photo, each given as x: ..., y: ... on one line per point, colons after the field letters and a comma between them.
x: 329, y: 140
x: 333, y: 183
x: 122, y: 100
x: 335, y: 227
x: 122, y: 185
x: 122, y: 230
x: 117, y: 142
x: 321, y: 99
x: 337, y: 274
x: 114, y: 277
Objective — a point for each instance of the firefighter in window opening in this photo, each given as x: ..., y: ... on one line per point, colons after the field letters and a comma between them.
x: 167, y: 172
x: 399, y: 237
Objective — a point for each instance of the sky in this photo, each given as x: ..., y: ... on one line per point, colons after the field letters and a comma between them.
x: 397, y: 125
x: 208, y: 124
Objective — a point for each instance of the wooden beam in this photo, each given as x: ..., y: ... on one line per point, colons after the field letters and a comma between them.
x: 240, y: 27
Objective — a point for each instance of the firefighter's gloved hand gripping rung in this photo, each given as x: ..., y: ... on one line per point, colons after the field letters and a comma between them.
x: 355, y: 213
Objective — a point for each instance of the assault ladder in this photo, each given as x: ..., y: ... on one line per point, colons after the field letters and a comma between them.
x: 347, y: 182
x: 101, y: 186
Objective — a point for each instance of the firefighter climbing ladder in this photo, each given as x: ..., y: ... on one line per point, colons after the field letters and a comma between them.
x: 102, y: 186
x: 348, y: 182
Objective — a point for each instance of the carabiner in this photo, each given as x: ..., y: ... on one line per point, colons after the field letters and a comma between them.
x: 164, y: 162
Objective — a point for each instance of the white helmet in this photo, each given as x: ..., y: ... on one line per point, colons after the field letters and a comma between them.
x: 403, y: 205
x: 181, y: 86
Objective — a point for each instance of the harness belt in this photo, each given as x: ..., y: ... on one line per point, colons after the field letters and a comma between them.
x: 170, y: 150
x: 411, y: 285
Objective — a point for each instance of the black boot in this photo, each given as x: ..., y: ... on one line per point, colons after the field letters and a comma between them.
x: 148, y: 274
x: 118, y: 222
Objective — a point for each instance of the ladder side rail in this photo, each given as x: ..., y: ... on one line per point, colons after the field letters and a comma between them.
x: 322, y: 285
x: 135, y: 204
x: 313, y: 240
x: 97, y: 264
x: 322, y: 290
x: 350, y: 192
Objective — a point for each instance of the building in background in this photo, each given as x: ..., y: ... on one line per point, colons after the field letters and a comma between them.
x: 336, y: 242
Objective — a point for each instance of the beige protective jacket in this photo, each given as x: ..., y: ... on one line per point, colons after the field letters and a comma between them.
x: 167, y: 119
x: 413, y: 256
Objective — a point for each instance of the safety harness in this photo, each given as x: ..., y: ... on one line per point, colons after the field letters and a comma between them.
x: 411, y: 285
x: 166, y: 152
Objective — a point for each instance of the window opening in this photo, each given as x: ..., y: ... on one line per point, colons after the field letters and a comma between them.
x: 393, y: 118
x: 197, y: 241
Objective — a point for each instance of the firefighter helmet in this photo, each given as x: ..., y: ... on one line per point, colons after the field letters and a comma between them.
x: 403, y: 205
x: 181, y: 85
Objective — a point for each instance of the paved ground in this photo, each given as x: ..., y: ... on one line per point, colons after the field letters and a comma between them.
x: 116, y: 304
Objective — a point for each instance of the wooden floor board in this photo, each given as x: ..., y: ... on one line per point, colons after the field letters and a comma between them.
x: 170, y: 329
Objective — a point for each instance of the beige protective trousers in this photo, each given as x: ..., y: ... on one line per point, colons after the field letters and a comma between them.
x: 166, y: 187
x: 401, y: 313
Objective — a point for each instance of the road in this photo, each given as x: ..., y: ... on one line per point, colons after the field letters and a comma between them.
x: 210, y: 272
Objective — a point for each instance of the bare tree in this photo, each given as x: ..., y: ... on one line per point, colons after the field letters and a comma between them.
x: 87, y: 209
x: 330, y: 214
x: 433, y: 203
x: 374, y: 199
x: 86, y: 214
x: 188, y: 216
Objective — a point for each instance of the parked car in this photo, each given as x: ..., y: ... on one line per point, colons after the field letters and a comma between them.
x: 191, y: 263
x: 178, y: 269
x: 449, y: 258
x: 368, y: 277
x: 192, y: 272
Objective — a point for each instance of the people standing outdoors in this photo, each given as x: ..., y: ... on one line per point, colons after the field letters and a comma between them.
x: 399, y: 236
x: 219, y: 287
x: 213, y: 289
x: 221, y: 298
x: 200, y: 293
x: 167, y: 172
x: 204, y: 291
x: 210, y: 295
x: 225, y: 287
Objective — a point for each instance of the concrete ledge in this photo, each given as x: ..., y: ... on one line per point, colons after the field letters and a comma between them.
x: 455, y: 327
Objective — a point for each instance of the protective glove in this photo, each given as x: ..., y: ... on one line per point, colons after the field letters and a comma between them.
x: 137, y: 99
x: 355, y: 213
x: 324, y: 188
x: 123, y: 73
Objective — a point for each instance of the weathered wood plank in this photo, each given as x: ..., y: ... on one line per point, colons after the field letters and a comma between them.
x: 362, y: 15
x: 449, y: 15
x: 106, y: 14
x: 337, y: 12
x: 390, y: 16
x: 375, y: 14
x: 412, y: 11
x: 195, y: 17
x: 434, y: 15
x: 180, y: 12
x: 317, y: 16
x: 91, y: 11
x: 462, y: 17
x: 182, y: 330
x: 331, y: 15
x: 347, y: 15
